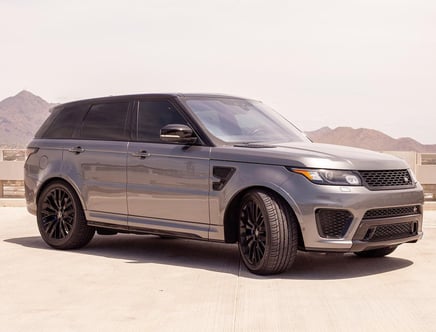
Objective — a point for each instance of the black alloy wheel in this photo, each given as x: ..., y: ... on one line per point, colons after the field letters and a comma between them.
x: 268, y: 234
x: 61, y: 220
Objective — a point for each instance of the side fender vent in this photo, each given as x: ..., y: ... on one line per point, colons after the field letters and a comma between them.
x: 224, y: 174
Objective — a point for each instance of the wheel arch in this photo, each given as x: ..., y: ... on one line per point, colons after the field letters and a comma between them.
x: 49, y: 181
x: 231, y: 223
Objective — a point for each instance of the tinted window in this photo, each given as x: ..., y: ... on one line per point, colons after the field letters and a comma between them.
x: 43, y: 130
x: 63, y: 122
x: 152, y: 116
x: 105, y: 121
x: 245, y: 121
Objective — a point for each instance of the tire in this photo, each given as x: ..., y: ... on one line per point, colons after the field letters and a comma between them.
x: 61, y: 220
x: 381, y: 252
x: 268, y: 233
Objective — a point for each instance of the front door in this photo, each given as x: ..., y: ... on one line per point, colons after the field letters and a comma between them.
x: 167, y: 184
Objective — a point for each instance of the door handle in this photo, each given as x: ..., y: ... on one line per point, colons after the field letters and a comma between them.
x: 141, y: 154
x: 76, y: 150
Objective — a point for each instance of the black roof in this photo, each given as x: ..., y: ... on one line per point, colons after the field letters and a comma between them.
x: 149, y: 95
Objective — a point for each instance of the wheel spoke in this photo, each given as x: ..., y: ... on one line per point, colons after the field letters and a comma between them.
x: 48, y: 208
x: 252, y: 232
x: 63, y: 229
x: 68, y: 225
x: 261, y: 246
x: 258, y: 215
x: 248, y: 225
x: 258, y: 253
x: 56, y: 199
x: 252, y: 213
x: 252, y: 251
x: 68, y: 221
x: 52, y: 230
x: 49, y: 222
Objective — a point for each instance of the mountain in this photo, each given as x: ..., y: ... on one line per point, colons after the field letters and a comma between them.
x: 20, y: 117
x: 367, y: 139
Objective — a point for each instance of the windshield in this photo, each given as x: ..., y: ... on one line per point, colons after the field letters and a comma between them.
x: 243, y: 121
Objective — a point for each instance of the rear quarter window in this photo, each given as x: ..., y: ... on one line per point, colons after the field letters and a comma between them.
x: 62, y: 122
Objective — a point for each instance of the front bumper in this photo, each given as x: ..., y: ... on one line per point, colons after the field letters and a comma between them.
x: 368, y: 219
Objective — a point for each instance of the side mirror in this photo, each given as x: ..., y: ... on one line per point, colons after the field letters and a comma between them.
x: 177, y: 133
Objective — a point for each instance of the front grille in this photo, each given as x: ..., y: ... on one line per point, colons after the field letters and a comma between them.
x: 391, y: 232
x: 333, y: 223
x: 387, y: 179
x: 392, y: 212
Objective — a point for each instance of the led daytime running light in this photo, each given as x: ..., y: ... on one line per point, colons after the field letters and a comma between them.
x: 329, y: 177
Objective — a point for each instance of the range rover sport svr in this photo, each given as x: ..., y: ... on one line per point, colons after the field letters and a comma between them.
x: 214, y: 168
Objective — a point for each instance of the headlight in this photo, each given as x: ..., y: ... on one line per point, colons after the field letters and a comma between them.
x: 329, y: 177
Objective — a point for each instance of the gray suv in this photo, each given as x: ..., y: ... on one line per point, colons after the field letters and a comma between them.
x: 214, y: 168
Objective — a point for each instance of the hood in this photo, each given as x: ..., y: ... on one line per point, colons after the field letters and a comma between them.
x: 311, y: 155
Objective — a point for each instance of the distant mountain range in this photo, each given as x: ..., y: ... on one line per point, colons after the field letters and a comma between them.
x: 367, y: 139
x: 22, y: 115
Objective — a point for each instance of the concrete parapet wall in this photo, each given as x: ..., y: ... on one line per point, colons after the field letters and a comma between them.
x: 11, y: 170
x: 426, y: 174
x: 11, y: 179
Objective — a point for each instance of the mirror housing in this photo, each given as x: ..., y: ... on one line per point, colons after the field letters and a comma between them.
x: 177, y: 133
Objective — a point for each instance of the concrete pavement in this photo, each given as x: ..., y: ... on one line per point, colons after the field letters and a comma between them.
x: 144, y: 283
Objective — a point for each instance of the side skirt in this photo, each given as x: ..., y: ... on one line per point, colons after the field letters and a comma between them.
x: 139, y: 225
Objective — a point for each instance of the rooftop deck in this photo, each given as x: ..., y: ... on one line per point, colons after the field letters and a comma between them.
x: 144, y: 283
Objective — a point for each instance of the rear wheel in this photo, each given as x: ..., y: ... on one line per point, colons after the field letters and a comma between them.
x: 268, y: 233
x: 381, y: 252
x: 61, y: 220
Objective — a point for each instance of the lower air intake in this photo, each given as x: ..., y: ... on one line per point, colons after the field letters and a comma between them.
x: 391, y: 232
x: 333, y: 223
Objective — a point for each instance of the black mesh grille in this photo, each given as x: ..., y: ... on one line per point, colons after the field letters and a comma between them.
x: 333, y: 223
x: 391, y: 232
x: 390, y: 179
x: 392, y: 212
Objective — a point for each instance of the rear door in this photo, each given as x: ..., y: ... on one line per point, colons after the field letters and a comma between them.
x: 97, y: 161
x: 167, y: 184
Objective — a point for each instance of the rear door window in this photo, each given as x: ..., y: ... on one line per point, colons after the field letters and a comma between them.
x: 106, y: 121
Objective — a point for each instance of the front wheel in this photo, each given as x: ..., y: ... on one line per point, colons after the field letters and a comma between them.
x: 268, y: 233
x: 61, y: 220
x: 381, y: 252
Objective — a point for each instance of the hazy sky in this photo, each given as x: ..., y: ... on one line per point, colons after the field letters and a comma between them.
x: 368, y: 63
